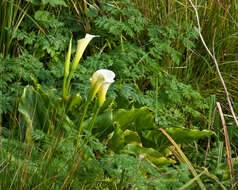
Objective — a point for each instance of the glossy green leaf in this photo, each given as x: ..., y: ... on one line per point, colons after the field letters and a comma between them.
x: 149, y: 153
x: 117, y: 142
x: 132, y: 149
x: 137, y: 150
x: 182, y: 135
x: 160, y: 160
x: 103, y: 124
x: 41, y: 110
x: 135, y: 119
x: 34, y: 112
x: 132, y: 137
x: 156, y: 139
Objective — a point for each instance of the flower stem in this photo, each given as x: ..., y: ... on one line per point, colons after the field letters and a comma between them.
x: 94, y: 119
x: 83, y: 116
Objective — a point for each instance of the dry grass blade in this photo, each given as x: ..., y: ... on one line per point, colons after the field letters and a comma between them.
x: 72, y: 170
x: 228, y: 151
x: 193, y: 171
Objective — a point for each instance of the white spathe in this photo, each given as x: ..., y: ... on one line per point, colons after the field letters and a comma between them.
x: 100, y: 82
x: 90, y: 36
x: 81, y: 46
x: 102, y: 93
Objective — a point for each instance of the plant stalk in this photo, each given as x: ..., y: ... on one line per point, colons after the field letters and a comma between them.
x: 94, y: 119
x: 193, y: 171
x: 215, y: 62
x: 228, y: 151
x: 83, y: 116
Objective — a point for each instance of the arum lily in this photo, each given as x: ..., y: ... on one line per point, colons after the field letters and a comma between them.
x: 70, y: 68
x: 81, y: 46
x: 100, y: 82
x: 102, y: 93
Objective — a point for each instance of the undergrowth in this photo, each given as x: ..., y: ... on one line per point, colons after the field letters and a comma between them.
x: 164, y: 79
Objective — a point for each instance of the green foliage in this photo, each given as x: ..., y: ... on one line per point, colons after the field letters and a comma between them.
x: 117, y: 171
x: 165, y: 39
x: 137, y: 126
x: 40, y: 57
x: 155, y: 53
x: 141, y: 63
x: 121, y: 18
x: 14, y: 74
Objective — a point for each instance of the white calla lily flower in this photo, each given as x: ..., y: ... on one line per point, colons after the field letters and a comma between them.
x: 102, y: 93
x: 81, y: 46
x: 100, y: 82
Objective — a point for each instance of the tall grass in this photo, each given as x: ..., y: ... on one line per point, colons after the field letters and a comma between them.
x: 219, y: 22
x: 11, y: 15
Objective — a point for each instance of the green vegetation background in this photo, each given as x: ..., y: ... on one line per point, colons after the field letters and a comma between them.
x: 164, y: 79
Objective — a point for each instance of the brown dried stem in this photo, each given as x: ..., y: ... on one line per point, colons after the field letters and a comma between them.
x: 215, y: 62
x: 185, y: 159
x: 228, y: 151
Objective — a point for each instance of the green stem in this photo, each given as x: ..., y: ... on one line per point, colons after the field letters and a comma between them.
x: 90, y: 128
x: 94, y: 119
x: 64, y: 88
x: 67, y: 85
x: 89, y: 99
x: 83, y: 116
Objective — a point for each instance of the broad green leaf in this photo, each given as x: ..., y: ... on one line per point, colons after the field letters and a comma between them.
x: 156, y: 139
x: 103, y: 124
x: 41, y: 110
x: 138, y: 150
x: 132, y: 149
x: 33, y: 111
x: 160, y: 160
x: 135, y: 119
x: 154, y: 156
x: 117, y: 142
x: 132, y: 137
x: 182, y: 135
